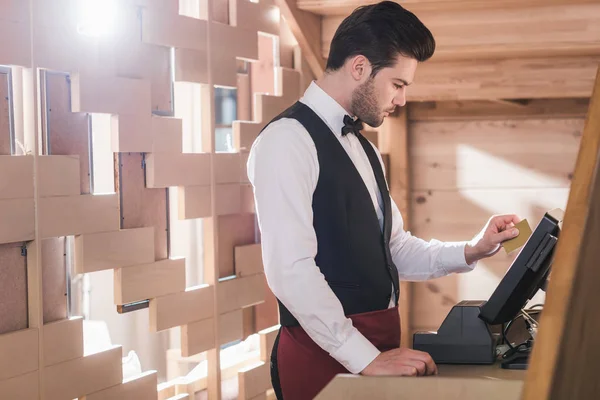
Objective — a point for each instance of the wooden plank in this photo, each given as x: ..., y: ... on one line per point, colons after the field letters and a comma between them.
x: 240, y: 292
x: 5, y: 110
x: 22, y: 387
x: 244, y: 134
x: 166, y: 135
x: 194, y: 202
x: 307, y: 29
x: 78, y: 377
x: 227, y: 167
x: 233, y: 42
x: 75, y: 215
x: 54, y: 279
x: 17, y: 216
x: 16, y: 179
x: 14, y: 52
x: 254, y: 380
x: 345, y: 7
x: 233, y: 230
x: 248, y: 205
x: 564, y: 356
x: 63, y: 340
x: 142, y: 386
x: 267, y: 312
x: 191, y: 66
x: 513, y: 32
x: 68, y: 132
x: 19, y: 351
x: 108, y: 250
x: 146, y: 281
x: 164, y: 169
x: 59, y: 176
x: 267, y: 341
x: 197, y: 337
x: 142, y: 207
x: 490, y: 110
x: 172, y: 30
x: 228, y: 199
x: 13, y: 288
x: 459, y: 154
x: 248, y: 260
x: 113, y: 95
x: 131, y: 133
x: 257, y: 17
x: 513, y: 78
x: 195, y: 304
x: 231, y: 327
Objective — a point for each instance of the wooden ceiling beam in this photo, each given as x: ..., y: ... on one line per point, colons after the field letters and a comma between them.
x: 345, y: 7
x: 531, y: 78
x: 306, y: 27
x: 535, y: 31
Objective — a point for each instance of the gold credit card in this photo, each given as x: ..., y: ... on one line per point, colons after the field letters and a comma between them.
x: 524, y: 234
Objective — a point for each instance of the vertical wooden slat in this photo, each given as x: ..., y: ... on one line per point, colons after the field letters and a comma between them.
x: 5, y: 145
x: 394, y: 141
x: 54, y: 279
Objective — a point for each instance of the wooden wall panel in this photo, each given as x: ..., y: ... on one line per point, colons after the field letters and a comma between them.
x: 140, y: 387
x: 78, y: 377
x: 18, y: 183
x: 75, y: 215
x: 108, y: 250
x: 142, y: 207
x: 146, y: 281
x: 455, y: 193
x: 527, y: 153
x: 13, y: 288
x: 19, y: 351
x: 237, y: 293
x: 254, y: 381
x: 22, y: 387
x: 164, y: 170
x: 68, y: 132
x: 195, y: 304
x: 14, y: 23
x: 63, y: 340
x: 54, y: 279
x: 59, y: 176
x: 5, y: 144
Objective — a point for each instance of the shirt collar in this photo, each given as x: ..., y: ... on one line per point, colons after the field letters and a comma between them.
x: 325, y: 107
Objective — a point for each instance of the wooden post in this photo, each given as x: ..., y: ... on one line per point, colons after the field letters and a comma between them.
x: 566, y: 355
x: 393, y: 135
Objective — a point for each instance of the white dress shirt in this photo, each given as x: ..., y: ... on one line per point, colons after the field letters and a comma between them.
x: 284, y: 169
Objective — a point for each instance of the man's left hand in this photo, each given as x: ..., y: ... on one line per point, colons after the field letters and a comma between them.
x: 498, y: 229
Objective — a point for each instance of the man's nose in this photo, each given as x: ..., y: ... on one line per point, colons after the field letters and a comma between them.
x: 400, y: 98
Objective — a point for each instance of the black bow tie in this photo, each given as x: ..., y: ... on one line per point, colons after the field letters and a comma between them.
x: 351, y: 126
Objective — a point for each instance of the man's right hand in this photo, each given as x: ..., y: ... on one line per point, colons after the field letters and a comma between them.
x: 401, y: 362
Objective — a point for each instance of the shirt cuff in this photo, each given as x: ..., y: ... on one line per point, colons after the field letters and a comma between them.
x: 453, y: 259
x: 356, y: 353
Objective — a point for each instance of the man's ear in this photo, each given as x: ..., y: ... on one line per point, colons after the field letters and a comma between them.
x: 360, y: 68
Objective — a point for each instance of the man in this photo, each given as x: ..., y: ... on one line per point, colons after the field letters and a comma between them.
x: 333, y: 242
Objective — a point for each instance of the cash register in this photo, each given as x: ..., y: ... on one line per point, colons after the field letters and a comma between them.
x: 473, y: 331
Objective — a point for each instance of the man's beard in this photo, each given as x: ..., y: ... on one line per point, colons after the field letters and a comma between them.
x: 364, y: 104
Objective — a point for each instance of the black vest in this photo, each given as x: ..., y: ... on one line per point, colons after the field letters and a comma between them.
x: 353, y: 254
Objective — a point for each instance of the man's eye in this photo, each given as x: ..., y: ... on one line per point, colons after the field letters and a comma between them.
x: 398, y: 86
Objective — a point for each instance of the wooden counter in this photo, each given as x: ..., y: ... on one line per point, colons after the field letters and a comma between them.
x: 454, y: 382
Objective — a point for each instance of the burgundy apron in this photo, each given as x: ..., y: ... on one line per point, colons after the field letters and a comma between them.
x: 302, y: 369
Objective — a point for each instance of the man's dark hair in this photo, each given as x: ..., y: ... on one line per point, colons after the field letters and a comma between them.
x: 380, y: 32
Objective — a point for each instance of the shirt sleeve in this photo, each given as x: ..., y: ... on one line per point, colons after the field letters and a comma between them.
x: 283, y: 169
x: 417, y: 259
